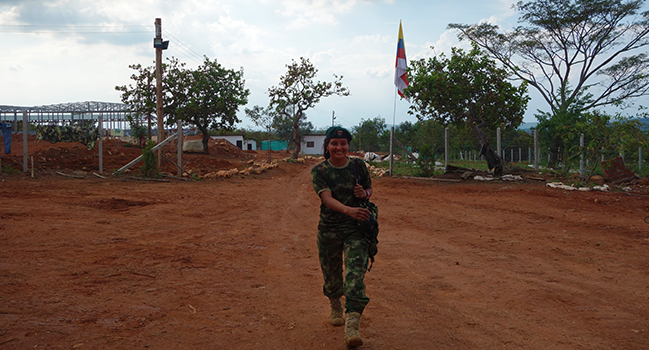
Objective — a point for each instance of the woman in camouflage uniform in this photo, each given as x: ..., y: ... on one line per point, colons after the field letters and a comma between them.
x: 340, y: 238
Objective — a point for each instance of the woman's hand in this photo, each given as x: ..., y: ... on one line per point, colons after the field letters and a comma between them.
x: 360, y: 192
x: 358, y: 213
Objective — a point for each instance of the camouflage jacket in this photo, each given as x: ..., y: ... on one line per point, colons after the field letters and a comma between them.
x: 341, y: 182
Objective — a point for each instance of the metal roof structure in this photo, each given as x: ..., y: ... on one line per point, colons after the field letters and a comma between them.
x: 67, y: 108
x: 111, y: 113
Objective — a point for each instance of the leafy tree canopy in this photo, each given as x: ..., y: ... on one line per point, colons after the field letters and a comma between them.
x: 570, y: 48
x: 467, y: 88
x: 368, y: 134
x: 207, y: 97
x: 297, y: 92
x: 141, y: 95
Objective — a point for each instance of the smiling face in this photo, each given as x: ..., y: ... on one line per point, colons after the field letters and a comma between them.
x: 338, y: 150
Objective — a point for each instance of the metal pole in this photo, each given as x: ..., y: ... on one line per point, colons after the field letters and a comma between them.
x: 158, y: 79
x: 447, y: 152
x: 100, y: 128
x: 391, y: 150
x: 25, y: 127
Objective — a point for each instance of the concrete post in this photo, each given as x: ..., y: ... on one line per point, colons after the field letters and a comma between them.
x: 180, y: 148
x: 25, y: 130
x: 581, y: 156
x: 100, y: 129
x: 498, y: 142
x: 447, y: 152
x: 536, y: 150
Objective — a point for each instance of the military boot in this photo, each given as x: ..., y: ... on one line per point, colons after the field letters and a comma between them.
x: 352, y: 324
x: 336, y: 317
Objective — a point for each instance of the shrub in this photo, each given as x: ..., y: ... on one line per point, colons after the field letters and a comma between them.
x: 149, y: 161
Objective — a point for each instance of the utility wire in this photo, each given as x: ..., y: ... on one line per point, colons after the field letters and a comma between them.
x: 66, y: 32
x: 188, y: 49
x: 193, y: 54
x: 24, y: 28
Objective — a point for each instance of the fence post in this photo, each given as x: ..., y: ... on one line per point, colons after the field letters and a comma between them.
x: 100, y: 131
x: 447, y: 153
x: 25, y: 129
x: 498, y: 141
x: 581, y: 155
x: 180, y: 147
x: 639, y: 158
x: 536, y: 150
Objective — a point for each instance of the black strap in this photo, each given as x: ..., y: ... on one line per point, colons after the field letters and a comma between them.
x: 356, y: 169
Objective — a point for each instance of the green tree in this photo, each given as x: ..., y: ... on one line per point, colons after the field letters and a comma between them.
x: 263, y: 117
x: 297, y: 92
x: 138, y: 131
x: 467, y: 88
x: 602, y: 132
x: 284, y: 128
x: 141, y: 96
x: 368, y: 134
x: 207, y: 97
x: 585, y: 52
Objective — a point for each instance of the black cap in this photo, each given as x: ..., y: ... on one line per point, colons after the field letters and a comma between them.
x: 338, y: 132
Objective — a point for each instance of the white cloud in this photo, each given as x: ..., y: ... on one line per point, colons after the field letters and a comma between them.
x: 379, y: 71
x: 370, y: 40
x: 305, y: 12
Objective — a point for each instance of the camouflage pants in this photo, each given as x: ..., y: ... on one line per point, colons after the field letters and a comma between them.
x: 348, y: 246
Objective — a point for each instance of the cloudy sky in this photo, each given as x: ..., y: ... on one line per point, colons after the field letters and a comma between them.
x: 62, y: 51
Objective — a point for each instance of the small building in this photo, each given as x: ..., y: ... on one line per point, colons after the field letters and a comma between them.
x: 239, y: 141
x: 313, y: 144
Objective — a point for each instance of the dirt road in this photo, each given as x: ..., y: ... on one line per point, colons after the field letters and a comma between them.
x: 232, y: 264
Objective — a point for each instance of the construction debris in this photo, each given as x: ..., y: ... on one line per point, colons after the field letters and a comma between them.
x: 561, y: 186
x: 254, y: 167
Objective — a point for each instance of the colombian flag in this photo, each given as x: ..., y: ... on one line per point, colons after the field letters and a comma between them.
x: 400, y: 75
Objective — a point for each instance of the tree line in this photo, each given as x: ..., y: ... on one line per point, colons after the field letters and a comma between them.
x: 582, y: 56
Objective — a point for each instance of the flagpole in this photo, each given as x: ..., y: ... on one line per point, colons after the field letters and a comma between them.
x: 400, y: 82
x: 392, y: 132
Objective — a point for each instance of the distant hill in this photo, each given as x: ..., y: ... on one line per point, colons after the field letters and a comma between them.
x: 527, y: 126
x: 645, y: 123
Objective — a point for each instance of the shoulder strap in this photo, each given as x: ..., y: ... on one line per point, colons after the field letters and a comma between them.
x: 356, y: 169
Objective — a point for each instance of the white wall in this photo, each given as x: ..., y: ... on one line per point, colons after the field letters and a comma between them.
x: 317, y: 142
x: 243, y: 144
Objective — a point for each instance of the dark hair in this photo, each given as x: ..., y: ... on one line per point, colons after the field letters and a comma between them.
x: 327, y: 155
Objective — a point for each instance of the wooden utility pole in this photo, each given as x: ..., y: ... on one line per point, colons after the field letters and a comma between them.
x: 158, y: 83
